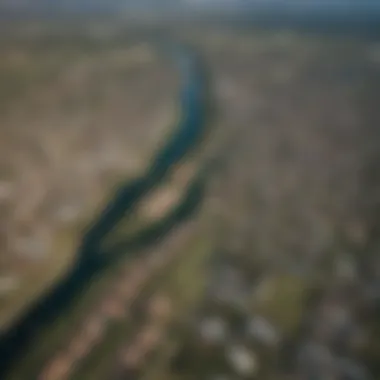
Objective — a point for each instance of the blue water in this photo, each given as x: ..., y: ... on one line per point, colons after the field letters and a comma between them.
x: 91, y: 260
x: 183, y: 139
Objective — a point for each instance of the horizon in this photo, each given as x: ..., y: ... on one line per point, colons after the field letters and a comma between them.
x: 336, y: 6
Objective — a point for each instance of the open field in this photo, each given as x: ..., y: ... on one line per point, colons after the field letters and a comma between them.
x: 74, y: 124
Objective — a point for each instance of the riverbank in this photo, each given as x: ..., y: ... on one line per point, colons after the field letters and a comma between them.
x: 89, y: 262
x: 72, y: 130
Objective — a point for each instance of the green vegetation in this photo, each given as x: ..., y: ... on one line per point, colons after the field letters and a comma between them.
x: 282, y: 301
x: 185, y: 286
x: 177, y: 282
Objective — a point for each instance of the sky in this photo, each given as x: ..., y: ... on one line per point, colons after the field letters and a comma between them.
x: 337, y: 5
x: 156, y: 4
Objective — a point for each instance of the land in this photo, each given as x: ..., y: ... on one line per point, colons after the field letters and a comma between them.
x: 289, y: 219
x: 295, y: 205
x: 74, y: 125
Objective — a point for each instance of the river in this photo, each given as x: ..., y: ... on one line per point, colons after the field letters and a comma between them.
x: 20, y: 337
